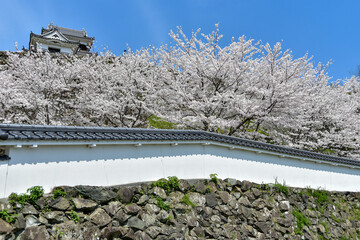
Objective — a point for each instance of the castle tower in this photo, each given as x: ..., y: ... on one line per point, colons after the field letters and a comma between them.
x: 57, y: 39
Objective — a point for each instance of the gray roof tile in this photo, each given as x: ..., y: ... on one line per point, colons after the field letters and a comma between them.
x: 40, y: 132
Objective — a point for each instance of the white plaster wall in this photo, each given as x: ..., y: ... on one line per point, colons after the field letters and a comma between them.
x: 41, y: 46
x: 3, y: 177
x: 46, y: 47
x: 66, y: 50
x: 106, y: 165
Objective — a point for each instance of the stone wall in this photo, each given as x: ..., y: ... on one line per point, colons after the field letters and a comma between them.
x: 182, y: 209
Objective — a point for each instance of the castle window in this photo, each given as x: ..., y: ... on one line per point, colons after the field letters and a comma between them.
x: 83, y: 47
x: 53, y: 50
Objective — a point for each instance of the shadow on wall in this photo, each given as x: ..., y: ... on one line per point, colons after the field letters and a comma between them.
x: 81, y: 153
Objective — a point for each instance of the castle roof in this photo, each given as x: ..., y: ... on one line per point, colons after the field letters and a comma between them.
x: 64, y: 39
x: 70, y: 33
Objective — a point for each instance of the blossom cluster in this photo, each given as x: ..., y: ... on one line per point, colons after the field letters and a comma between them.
x: 246, y: 89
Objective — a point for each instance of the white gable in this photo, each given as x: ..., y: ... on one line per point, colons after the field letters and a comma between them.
x: 55, y: 35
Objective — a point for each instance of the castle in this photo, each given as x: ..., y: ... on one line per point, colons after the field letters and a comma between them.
x: 57, y: 39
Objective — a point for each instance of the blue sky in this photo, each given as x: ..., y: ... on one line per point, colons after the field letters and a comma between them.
x: 326, y: 29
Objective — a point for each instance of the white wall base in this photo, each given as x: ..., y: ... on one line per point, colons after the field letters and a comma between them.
x: 106, y: 165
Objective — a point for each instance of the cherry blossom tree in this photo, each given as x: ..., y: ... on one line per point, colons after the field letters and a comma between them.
x: 246, y: 89
x: 92, y: 90
x: 254, y: 91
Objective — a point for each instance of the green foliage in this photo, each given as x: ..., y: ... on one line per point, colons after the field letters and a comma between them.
x: 35, y: 193
x: 22, y: 199
x: 337, y: 205
x: 342, y: 199
x: 357, y: 214
x: 13, y: 198
x: 335, y: 219
x: 161, y: 204
x: 74, y: 216
x: 344, y: 238
x: 321, y: 196
x: 58, y: 193
x: 321, y: 209
x: 10, y: 218
x: 162, y: 183
x: 324, y: 150
x: 221, y: 131
x: 263, y: 132
x: 208, y: 189
x: 46, y: 208
x: 156, y: 122
x: 58, y: 233
x: 260, y: 130
x: 169, y: 219
x: 281, y: 188
x: 264, y: 187
x: 172, y: 184
x: 213, y: 178
x: 301, y: 221
x: 187, y: 201
x: 326, y: 226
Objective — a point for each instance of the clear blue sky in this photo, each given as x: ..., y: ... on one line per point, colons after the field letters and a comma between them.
x: 326, y: 29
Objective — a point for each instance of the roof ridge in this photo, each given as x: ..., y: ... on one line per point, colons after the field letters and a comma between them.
x: 67, y: 41
x: 26, y: 127
x: 55, y: 26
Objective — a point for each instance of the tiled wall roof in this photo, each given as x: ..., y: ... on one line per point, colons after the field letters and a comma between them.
x: 58, y: 133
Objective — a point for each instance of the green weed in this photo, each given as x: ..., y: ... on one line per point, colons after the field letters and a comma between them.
x: 10, y: 218
x: 335, y: 219
x: 59, y: 193
x: 325, y: 226
x: 344, y: 238
x: 22, y: 199
x: 187, y: 201
x: 35, y: 193
x: 213, y: 178
x: 281, y: 188
x: 74, y: 216
x: 301, y: 221
x: 192, y: 188
x: 58, y: 233
x: 264, y: 187
x: 321, y: 196
x: 169, y: 219
x: 161, y: 204
x: 46, y: 208
x: 172, y: 184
